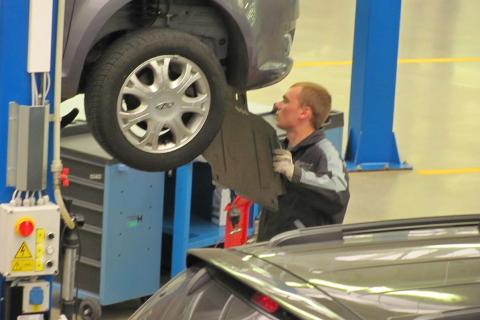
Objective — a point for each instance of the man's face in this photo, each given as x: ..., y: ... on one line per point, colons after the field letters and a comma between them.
x: 289, y: 111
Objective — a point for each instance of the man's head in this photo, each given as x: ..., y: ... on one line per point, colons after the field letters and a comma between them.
x: 304, y: 104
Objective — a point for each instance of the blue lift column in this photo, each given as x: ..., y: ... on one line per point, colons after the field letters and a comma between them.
x: 14, y: 79
x: 15, y: 85
x: 371, y: 141
x: 181, y: 219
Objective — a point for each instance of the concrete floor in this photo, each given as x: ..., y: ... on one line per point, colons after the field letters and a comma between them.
x: 436, y: 113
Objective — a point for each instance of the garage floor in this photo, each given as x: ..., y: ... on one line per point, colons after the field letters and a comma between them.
x: 436, y: 114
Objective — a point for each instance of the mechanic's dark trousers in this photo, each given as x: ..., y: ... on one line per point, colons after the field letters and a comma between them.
x: 273, y: 223
x: 269, y: 227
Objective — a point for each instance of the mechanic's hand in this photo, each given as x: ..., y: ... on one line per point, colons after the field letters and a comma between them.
x: 283, y: 163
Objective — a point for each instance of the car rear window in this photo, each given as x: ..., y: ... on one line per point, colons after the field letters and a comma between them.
x: 197, y: 295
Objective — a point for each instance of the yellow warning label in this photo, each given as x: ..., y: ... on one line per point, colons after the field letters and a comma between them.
x: 22, y: 265
x: 40, y: 235
x: 39, y: 265
x: 40, y: 251
x: 23, y: 252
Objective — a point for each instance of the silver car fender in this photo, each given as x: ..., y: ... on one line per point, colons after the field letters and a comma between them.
x: 89, y: 18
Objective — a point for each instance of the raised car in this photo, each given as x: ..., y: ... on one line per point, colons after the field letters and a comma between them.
x: 158, y: 74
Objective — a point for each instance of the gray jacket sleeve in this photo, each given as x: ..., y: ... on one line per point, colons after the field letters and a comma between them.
x: 326, y: 174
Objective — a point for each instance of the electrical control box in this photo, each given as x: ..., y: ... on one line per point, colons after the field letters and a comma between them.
x: 30, y: 240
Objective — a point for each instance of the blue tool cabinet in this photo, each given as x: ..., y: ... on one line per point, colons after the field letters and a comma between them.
x: 123, y: 210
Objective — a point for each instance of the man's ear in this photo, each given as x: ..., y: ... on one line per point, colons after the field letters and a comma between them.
x: 306, y: 113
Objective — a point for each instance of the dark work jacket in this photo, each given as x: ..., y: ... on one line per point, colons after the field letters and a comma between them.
x: 318, y: 193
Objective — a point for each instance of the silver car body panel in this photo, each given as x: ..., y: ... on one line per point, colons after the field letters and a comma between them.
x: 266, y: 27
x: 391, y: 274
x: 291, y: 292
x: 69, y: 6
x: 88, y: 18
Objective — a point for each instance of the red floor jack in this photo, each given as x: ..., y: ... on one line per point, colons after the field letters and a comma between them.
x: 236, y: 228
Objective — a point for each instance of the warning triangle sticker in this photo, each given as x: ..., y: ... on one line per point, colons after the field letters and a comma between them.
x: 23, y: 252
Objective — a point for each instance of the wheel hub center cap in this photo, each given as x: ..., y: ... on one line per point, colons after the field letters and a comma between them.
x: 165, y: 110
x: 165, y: 106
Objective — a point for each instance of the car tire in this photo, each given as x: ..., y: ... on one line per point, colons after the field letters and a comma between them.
x: 155, y: 100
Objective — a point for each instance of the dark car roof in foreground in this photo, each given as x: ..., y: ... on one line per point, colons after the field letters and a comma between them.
x: 395, y: 269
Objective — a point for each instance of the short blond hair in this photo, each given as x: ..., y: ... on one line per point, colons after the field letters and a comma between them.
x: 318, y: 99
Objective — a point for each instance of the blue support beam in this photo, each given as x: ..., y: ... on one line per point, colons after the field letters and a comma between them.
x: 371, y: 141
x: 181, y: 218
x: 14, y: 79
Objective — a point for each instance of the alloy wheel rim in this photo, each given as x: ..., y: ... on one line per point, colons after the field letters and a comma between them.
x: 163, y: 104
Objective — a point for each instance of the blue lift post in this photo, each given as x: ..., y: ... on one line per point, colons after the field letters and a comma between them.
x: 181, y: 219
x: 188, y: 232
x: 371, y: 141
x: 14, y: 79
x: 15, y: 82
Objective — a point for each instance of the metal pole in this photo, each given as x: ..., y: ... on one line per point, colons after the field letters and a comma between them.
x: 181, y: 219
x: 14, y: 79
x: 71, y: 244
x: 371, y: 141
x: 15, y: 85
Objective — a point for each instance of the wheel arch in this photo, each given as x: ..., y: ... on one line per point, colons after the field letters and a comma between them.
x: 89, y: 18
x: 91, y: 35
